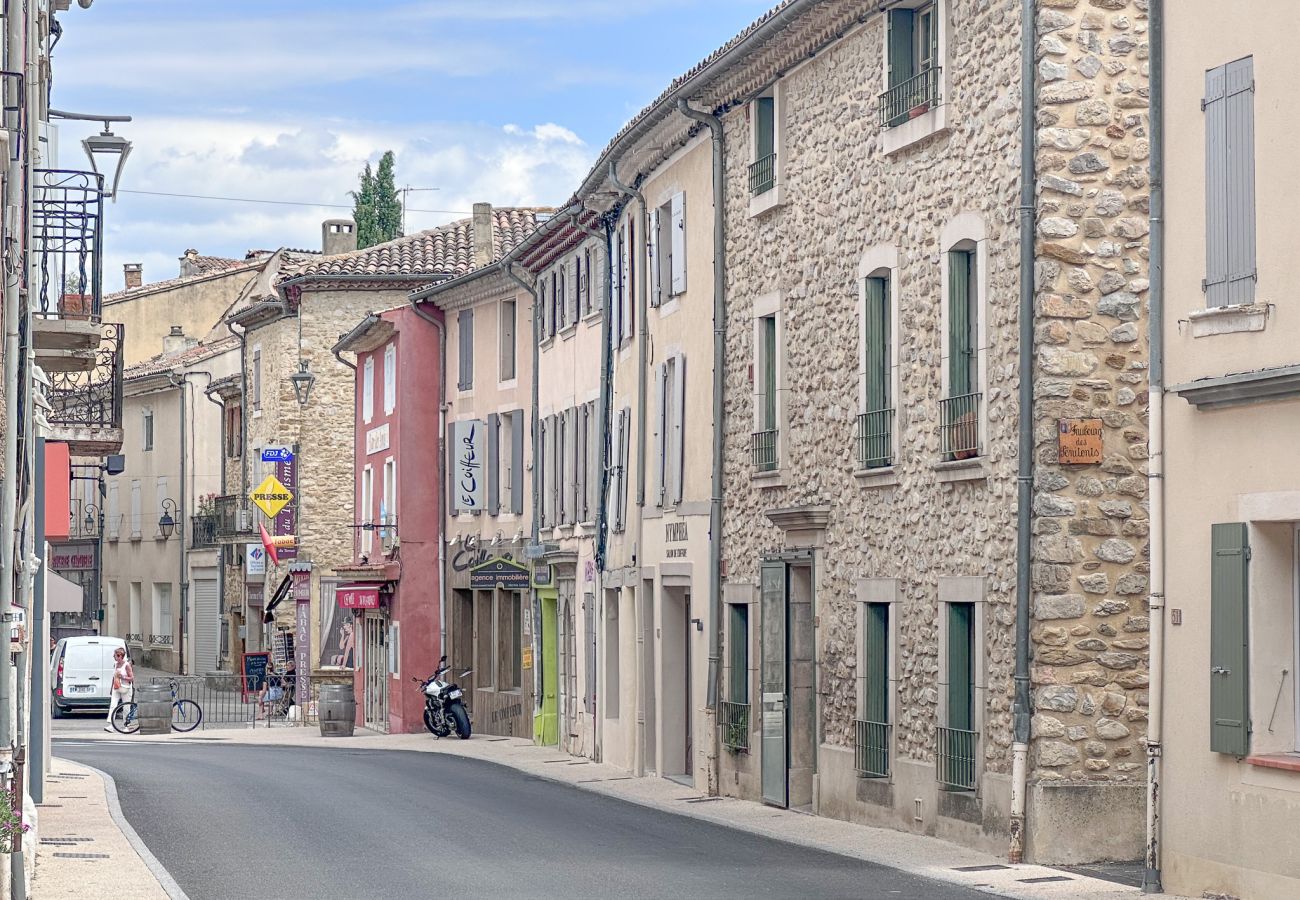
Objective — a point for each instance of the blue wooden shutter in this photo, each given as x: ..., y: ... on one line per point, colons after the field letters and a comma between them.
x: 1230, y: 184
x: 1229, y: 687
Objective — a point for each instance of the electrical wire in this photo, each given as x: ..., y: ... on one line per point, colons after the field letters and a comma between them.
x: 453, y: 212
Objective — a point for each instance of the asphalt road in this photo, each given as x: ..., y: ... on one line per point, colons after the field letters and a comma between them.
x: 234, y: 821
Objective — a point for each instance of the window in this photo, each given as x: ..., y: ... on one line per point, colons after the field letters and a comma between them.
x: 618, y: 477
x: 560, y: 468
x: 368, y: 389
x: 876, y: 420
x: 234, y: 431
x: 561, y: 297
x: 960, y: 409
x: 624, y: 304
x: 957, y: 737
x: 365, y: 514
x: 581, y: 462
x: 162, y: 614
x: 738, y: 653
x: 1229, y: 107
x: 873, y: 738
x: 667, y: 268
x: 146, y: 437
x: 466, y: 358
x: 766, y: 386
x: 542, y: 331
x: 762, y: 171
x: 912, y: 62
x: 595, y: 448
x: 390, y: 379
x: 514, y: 480
x: 136, y: 622
x: 611, y: 653
x: 540, y: 458
x: 257, y: 377
x: 584, y: 281
x: 137, y: 510
x: 388, y: 505
x: 114, y: 511
x: 669, y: 435
x: 507, y: 335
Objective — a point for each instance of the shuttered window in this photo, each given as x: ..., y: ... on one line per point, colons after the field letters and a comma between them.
x: 875, y: 663
x: 658, y: 441
x: 1229, y: 593
x: 738, y: 653
x: 466, y: 357
x: 961, y: 666
x: 1229, y: 106
x: 962, y: 296
x: 677, y: 429
x: 493, y: 464
x: 657, y: 251
x: 517, y: 461
x: 368, y: 390
x: 539, y: 467
x: 507, y: 340
x: 767, y: 365
x: 594, y: 448
x: 877, y: 327
x: 390, y: 379
x: 764, y: 128
x: 621, y: 448
x: 677, y: 242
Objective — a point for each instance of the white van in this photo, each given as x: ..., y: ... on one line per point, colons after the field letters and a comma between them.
x: 81, y: 673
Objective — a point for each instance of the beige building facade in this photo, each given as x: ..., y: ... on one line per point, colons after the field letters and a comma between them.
x: 1231, y: 744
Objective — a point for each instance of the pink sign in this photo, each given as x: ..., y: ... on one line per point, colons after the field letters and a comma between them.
x: 359, y: 596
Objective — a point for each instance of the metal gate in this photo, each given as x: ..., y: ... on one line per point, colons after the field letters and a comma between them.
x: 206, y: 652
x: 376, y: 672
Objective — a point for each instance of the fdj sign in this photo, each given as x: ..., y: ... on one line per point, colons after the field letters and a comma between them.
x: 277, y: 454
x: 271, y: 496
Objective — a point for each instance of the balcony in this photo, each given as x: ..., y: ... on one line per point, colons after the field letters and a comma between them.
x: 762, y: 175
x: 765, y: 451
x: 871, y: 748
x: 959, y: 431
x: 203, y: 531
x: 912, y: 98
x: 86, y: 405
x: 876, y: 439
x: 67, y: 215
x: 234, y: 519
x: 955, y: 758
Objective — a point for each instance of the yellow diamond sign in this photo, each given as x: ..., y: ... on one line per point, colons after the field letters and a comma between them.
x: 271, y: 496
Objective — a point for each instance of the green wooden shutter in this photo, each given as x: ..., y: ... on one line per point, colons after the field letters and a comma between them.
x: 739, y: 654
x: 1229, y: 677
x: 769, y: 373
x: 902, y: 62
x: 875, y: 707
x: 765, y: 109
x: 961, y: 672
x: 961, y: 346
x: 877, y: 355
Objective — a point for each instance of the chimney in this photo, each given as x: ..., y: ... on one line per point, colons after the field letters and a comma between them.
x: 189, y: 263
x: 338, y: 236
x: 175, y: 341
x: 482, y: 226
x: 134, y: 275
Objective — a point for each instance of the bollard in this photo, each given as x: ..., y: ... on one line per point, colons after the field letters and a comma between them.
x: 154, y: 708
x: 337, y: 710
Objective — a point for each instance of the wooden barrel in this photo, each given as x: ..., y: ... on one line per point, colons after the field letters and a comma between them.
x: 154, y: 708
x: 337, y: 710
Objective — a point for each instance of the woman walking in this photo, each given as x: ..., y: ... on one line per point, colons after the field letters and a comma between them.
x: 123, y: 684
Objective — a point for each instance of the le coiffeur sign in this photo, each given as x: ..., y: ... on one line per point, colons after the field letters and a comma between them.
x: 1080, y: 442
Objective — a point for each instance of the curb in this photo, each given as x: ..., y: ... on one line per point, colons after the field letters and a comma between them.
x: 164, y: 877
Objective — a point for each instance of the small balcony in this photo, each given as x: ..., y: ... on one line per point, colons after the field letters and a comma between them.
x: 203, y: 531
x: 762, y: 175
x: 765, y: 451
x: 955, y: 762
x: 234, y: 519
x: 959, y: 427
x: 876, y: 439
x: 67, y: 217
x: 912, y: 98
x: 86, y: 404
x: 871, y: 748
x: 376, y: 541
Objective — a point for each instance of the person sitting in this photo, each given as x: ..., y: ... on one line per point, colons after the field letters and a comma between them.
x: 271, y: 697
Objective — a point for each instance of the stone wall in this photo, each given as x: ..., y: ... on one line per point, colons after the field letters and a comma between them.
x: 1091, y: 522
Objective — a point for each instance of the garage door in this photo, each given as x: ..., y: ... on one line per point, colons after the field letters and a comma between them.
x: 207, y: 626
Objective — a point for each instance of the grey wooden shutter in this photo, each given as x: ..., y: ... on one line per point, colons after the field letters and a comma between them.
x: 494, y: 464
x: 451, y: 470
x: 657, y: 442
x: 652, y: 263
x: 541, y: 309
x: 600, y: 272
x: 678, y: 239
x: 465, y: 329
x: 540, y: 462
x: 589, y: 620
x: 517, y: 461
x: 1229, y: 106
x: 575, y: 276
x: 678, y: 446
x: 1229, y: 612
x: 595, y: 443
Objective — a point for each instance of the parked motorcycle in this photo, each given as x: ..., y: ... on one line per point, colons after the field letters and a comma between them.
x: 444, y: 708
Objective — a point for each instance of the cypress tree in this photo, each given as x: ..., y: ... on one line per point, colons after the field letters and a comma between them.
x: 377, y: 210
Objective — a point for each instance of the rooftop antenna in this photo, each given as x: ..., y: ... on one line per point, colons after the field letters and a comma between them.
x: 407, y: 190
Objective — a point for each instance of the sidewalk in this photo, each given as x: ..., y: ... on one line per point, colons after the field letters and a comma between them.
x: 913, y: 853
x: 83, y: 850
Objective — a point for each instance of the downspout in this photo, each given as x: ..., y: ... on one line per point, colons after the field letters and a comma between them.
x: 242, y: 334
x: 221, y: 567
x: 1025, y: 449
x: 1151, y: 880
x: 442, y: 465
x: 642, y: 340
x: 182, y: 514
x: 719, y: 378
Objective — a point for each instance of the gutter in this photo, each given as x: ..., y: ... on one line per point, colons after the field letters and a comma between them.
x: 642, y: 322
x: 719, y: 380
x: 1151, y: 880
x: 1022, y: 710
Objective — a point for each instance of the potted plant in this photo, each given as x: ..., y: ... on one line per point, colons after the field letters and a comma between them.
x: 919, y: 110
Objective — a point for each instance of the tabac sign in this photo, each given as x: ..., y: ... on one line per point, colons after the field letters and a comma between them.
x: 499, y: 573
x: 270, y: 496
x: 1080, y: 442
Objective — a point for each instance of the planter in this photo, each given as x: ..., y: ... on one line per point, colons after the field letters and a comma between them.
x: 917, y: 111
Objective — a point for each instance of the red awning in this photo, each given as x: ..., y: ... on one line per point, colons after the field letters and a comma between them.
x: 359, y: 596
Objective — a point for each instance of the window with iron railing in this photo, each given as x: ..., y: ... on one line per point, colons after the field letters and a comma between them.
x: 959, y: 411
x: 762, y: 174
x: 733, y: 719
x: 956, y: 740
x: 915, y: 71
x: 765, y: 446
x: 762, y: 171
x: 872, y: 731
x: 875, y: 423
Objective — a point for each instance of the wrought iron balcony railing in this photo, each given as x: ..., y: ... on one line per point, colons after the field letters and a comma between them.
x: 91, y: 399
x: 871, y: 748
x: 203, y: 531
x: 160, y: 640
x: 765, y: 450
x: 762, y: 175
x: 959, y: 426
x: 876, y: 439
x: 955, y: 758
x: 911, y: 98
x: 234, y: 517
x: 733, y: 719
x: 67, y: 239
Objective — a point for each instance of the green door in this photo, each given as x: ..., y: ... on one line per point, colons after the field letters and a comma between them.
x: 546, y: 723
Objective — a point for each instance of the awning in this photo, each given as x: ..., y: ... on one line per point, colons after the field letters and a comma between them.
x: 61, y: 595
x: 358, y: 596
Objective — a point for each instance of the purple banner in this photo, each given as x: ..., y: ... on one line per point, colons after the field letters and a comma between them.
x: 302, y: 649
x: 286, y: 522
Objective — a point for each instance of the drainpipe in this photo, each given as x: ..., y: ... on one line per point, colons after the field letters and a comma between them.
x: 242, y: 334
x: 1025, y: 449
x: 183, y: 583
x: 1151, y: 881
x: 719, y: 376
x: 442, y: 465
x: 221, y: 565
x: 642, y: 340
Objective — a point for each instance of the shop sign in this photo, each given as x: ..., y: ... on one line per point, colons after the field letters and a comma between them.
x: 1080, y: 442
x: 270, y: 496
x: 377, y: 439
x: 499, y: 573
x: 358, y: 596
x: 277, y: 454
x: 254, y: 559
x: 467, y: 463
x: 286, y: 520
x: 301, y: 585
x: 256, y: 594
x: 542, y: 576
x: 527, y: 657
x: 73, y: 558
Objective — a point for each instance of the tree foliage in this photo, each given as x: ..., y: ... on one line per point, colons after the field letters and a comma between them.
x: 377, y: 209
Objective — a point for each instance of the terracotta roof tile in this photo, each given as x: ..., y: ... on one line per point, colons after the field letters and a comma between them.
x: 164, y: 362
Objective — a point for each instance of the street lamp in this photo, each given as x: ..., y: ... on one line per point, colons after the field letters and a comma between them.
x: 105, y: 145
x: 94, y: 515
x: 302, y: 381
x: 167, y: 524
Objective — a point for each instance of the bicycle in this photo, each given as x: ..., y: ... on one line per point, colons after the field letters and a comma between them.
x: 186, y: 715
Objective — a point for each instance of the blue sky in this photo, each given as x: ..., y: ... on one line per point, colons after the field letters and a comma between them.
x: 506, y: 101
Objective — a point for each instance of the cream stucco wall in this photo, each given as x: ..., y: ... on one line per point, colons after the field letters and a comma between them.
x: 196, y: 304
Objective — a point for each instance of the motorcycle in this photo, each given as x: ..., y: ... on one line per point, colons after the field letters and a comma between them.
x: 444, y: 708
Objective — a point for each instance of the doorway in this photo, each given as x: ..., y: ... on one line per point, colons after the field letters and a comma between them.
x: 568, y: 657
x: 675, y: 651
x: 786, y: 673
x: 646, y: 648
x: 546, y: 725
x: 375, y: 671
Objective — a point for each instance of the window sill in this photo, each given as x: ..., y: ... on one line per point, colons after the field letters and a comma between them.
x: 774, y: 478
x: 568, y: 331
x: 1228, y: 320
x: 592, y: 317
x: 1289, y: 762
x: 137, y: 537
x: 768, y: 200
x: 883, y: 476
x: 257, y: 414
x: 913, y: 131
x: 975, y: 469
x: 547, y: 342
x: 508, y: 384
x: 464, y: 391
x: 669, y: 306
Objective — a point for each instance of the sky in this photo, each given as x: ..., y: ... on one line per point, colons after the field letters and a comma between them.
x: 504, y: 101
